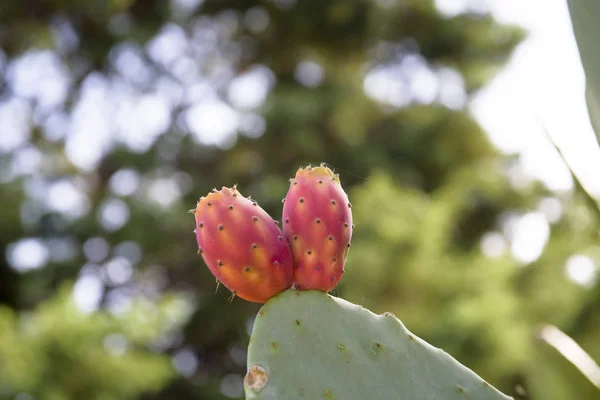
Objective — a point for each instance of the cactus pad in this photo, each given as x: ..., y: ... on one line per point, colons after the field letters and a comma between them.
x: 311, y: 345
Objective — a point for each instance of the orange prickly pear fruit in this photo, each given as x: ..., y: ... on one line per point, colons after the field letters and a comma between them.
x: 317, y: 222
x: 242, y: 245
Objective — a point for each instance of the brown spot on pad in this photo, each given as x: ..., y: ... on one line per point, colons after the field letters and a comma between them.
x: 256, y: 378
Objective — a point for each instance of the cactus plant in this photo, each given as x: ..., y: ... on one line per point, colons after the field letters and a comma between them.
x: 584, y: 17
x: 318, y: 224
x: 242, y: 245
x: 311, y: 345
x: 307, y: 343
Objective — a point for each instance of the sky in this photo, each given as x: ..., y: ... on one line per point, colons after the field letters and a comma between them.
x: 542, y: 87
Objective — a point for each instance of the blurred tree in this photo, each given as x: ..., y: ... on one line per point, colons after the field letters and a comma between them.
x: 59, y: 353
x: 116, y: 116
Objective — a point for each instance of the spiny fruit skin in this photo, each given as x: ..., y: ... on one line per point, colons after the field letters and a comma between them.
x: 317, y: 222
x: 242, y: 245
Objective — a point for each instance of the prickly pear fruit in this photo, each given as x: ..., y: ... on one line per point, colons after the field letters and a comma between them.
x: 317, y: 222
x: 242, y: 245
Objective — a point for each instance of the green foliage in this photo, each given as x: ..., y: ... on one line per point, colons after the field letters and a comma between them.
x: 560, y: 379
x: 58, y: 352
x: 313, y: 345
x: 404, y: 238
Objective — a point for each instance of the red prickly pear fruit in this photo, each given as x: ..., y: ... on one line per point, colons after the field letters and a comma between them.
x: 242, y: 245
x: 317, y: 222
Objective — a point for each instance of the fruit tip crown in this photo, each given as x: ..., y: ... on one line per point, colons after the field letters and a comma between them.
x: 322, y: 170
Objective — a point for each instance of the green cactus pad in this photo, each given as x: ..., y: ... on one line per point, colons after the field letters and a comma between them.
x: 310, y: 345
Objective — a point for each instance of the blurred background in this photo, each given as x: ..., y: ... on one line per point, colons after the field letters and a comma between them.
x: 458, y: 128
